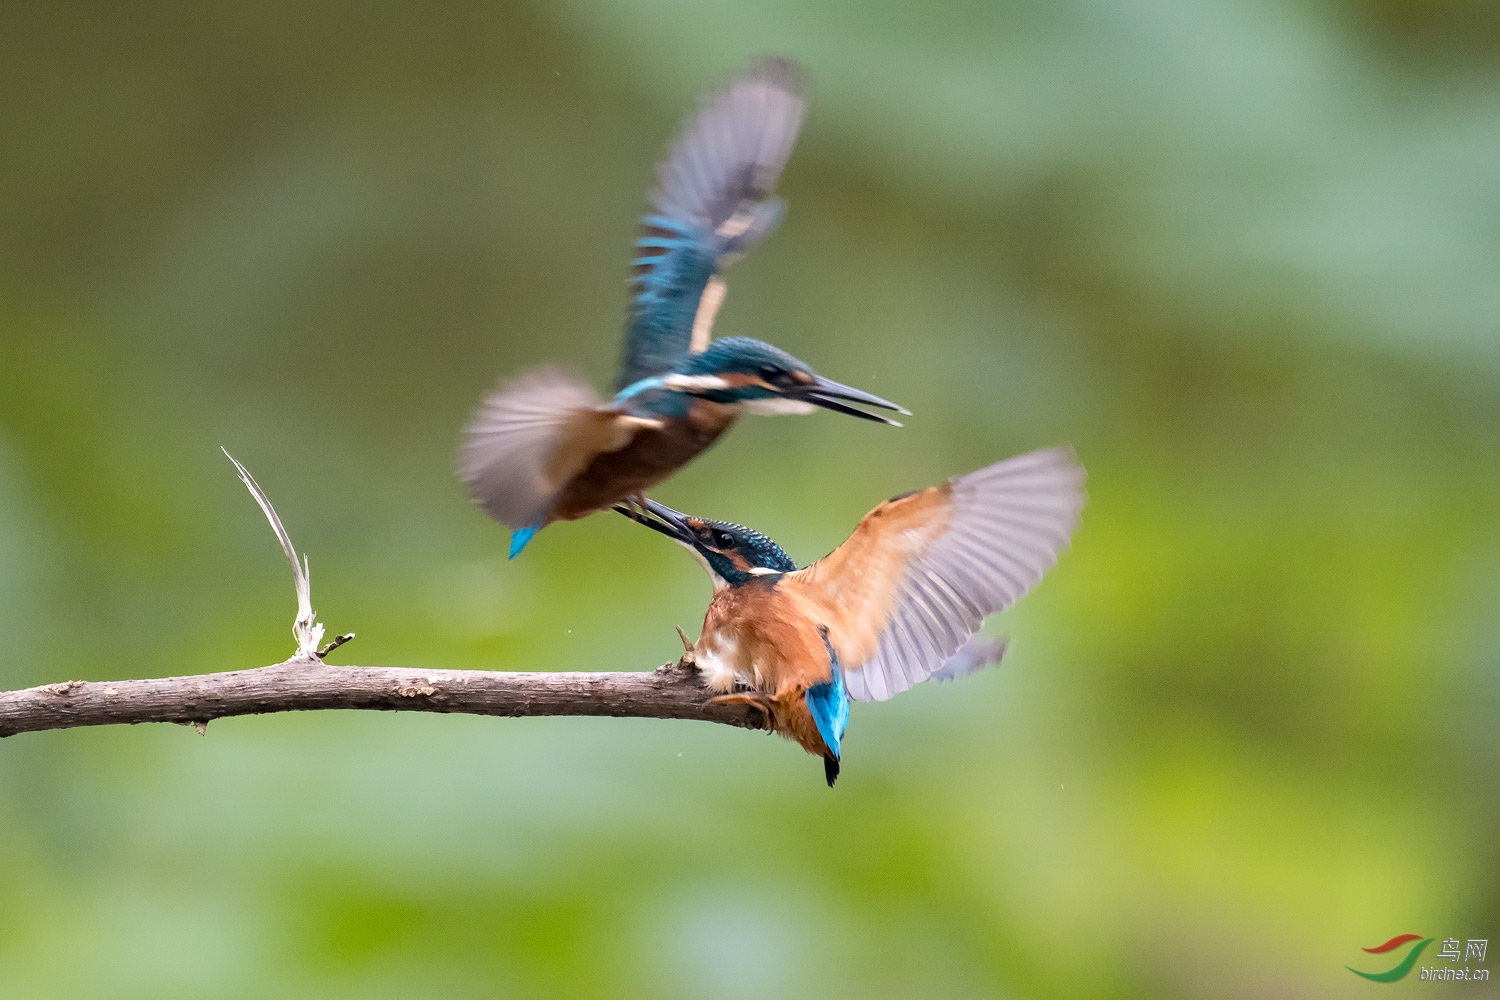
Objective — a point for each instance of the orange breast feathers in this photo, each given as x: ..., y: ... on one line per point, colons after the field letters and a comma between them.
x: 921, y: 572
x: 761, y: 635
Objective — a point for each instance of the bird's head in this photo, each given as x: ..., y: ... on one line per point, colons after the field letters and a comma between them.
x: 767, y: 380
x: 732, y: 553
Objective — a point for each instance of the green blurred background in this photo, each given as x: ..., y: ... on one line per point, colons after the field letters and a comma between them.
x: 1245, y: 256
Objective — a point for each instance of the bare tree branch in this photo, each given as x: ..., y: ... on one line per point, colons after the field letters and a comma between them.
x: 306, y: 683
x: 670, y: 692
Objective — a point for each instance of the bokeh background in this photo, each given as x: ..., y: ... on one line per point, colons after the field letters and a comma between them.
x: 1245, y: 256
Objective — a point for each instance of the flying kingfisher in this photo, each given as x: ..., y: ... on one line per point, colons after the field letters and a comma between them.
x: 544, y: 447
x: 898, y: 603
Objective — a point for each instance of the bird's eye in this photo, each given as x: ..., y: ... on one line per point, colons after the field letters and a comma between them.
x: 723, y: 540
x: 775, y: 376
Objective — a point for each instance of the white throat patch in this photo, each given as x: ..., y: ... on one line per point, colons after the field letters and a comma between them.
x: 719, y: 582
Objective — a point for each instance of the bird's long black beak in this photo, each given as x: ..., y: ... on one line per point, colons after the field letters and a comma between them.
x: 836, y: 396
x: 658, y: 517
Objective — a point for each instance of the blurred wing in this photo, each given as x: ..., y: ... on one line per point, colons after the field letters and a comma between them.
x: 918, y: 576
x: 529, y: 437
x: 972, y: 657
x: 713, y: 201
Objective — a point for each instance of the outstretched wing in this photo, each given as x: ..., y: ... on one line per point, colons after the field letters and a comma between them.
x: 529, y: 437
x: 921, y: 572
x: 713, y: 201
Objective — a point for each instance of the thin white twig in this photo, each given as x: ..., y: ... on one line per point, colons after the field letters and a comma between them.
x: 307, y: 630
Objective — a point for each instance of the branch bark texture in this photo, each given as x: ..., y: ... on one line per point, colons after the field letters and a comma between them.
x: 303, y: 684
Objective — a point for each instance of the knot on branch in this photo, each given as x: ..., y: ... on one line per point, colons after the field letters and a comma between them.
x: 414, y: 690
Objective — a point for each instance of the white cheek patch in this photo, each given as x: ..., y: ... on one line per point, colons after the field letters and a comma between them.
x: 694, y: 383
x: 777, y: 407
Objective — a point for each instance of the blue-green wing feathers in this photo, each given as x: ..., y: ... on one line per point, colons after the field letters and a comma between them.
x: 714, y: 200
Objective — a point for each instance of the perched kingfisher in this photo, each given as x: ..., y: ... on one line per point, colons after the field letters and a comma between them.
x: 898, y: 603
x: 545, y: 447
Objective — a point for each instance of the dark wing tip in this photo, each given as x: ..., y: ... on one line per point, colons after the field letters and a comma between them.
x: 830, y: 769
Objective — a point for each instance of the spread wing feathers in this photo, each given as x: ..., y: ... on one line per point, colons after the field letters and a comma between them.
x: 731, y: 152
x: 713, y: 201
x: 921, y: 572
x: 529, y: 437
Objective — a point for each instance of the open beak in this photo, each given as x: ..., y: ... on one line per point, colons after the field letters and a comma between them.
x: 660, y: 518
x: 836, y: 396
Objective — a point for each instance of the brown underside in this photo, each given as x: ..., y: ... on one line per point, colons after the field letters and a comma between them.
x: 776, y: 637
x: 650, y: 457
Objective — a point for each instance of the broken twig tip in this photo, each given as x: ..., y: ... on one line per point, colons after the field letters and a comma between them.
x: 338, y: 641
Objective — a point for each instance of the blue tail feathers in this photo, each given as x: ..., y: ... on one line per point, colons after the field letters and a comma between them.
x: 519, y: 539
x: 829, y: 704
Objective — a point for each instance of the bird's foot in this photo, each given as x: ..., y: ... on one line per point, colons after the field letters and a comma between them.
x: 755, y: 700
x: 635, y: 503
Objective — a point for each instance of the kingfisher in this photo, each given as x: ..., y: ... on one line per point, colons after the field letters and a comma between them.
x: 545, y: 447
x: 900, y: 602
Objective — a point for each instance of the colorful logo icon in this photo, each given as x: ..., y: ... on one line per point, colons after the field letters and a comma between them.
x: 1402, y: 967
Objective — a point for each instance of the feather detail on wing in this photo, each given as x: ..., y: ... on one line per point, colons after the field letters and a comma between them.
x: 713, y: 201
x: 920, y: 573
x: 529, y: 437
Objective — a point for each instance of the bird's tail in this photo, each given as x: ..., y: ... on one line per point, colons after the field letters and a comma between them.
x: 521, y: 537
x: 829, y: 705
x: 830, y: 768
